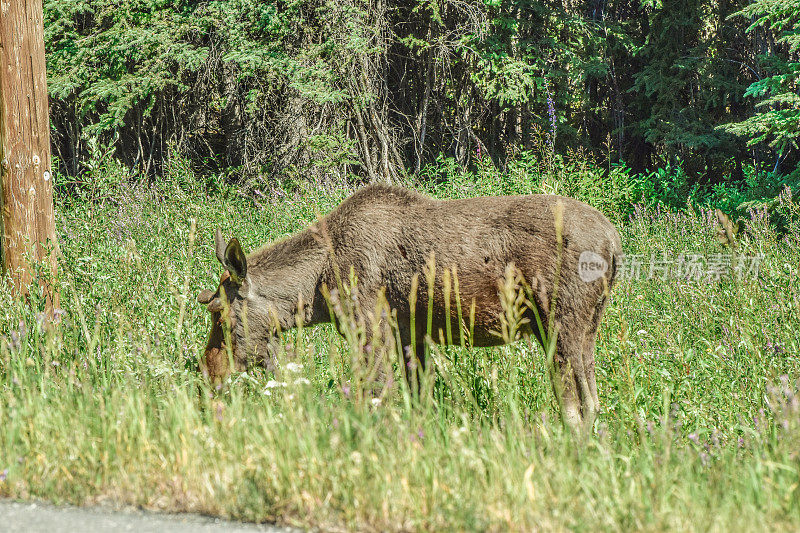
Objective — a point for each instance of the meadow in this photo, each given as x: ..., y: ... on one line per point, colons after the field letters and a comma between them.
x: 698, y: 382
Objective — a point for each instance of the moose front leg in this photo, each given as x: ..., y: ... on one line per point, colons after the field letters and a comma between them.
x: 413, y: 354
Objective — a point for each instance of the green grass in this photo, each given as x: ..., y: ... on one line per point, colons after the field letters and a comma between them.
x: 700, y: 427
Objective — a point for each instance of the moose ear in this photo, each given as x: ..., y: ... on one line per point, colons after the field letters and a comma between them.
x: 235, y: 261
x: 219, y: 246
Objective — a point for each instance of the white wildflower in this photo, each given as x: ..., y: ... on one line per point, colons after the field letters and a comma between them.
x: 457, y: 432
x: 302, y: 381
x: 272, y: 384
x: 376, y: 402
x: 294, y: 367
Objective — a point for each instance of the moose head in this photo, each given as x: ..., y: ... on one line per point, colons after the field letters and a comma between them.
x: 226, y: 305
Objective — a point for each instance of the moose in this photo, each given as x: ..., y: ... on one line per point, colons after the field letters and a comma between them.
x: 565, y: 252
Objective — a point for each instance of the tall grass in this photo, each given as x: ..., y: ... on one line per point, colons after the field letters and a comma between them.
x: 698, y: 383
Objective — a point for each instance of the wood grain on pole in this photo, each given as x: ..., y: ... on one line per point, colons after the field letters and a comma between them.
x: 26, y: 199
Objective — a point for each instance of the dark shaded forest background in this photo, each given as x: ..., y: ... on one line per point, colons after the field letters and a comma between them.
x: 326, y: 89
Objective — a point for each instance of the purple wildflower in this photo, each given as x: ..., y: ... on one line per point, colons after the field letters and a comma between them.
x: 551, y: 112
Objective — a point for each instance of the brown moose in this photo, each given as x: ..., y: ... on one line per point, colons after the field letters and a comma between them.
x: 565, y: 251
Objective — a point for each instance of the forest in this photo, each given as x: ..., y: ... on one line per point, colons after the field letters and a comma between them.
x: 326, y: 90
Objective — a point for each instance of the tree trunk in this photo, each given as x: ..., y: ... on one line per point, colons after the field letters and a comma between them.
x: 26, y: 197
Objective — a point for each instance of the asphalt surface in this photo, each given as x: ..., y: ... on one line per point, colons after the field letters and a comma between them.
x: 45, y: 518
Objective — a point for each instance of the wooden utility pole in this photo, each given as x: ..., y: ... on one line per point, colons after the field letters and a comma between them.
x: 27, y: 234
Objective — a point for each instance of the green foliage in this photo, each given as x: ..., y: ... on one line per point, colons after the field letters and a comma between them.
x: 688, y: 80
x: 108, y: 59
x: 336, y: 90
x: 667, y: 186
x: 779, y: 103
x: 758, y: 188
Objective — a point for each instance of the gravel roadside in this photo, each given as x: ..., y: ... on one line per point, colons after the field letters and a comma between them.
x: 46, y: 518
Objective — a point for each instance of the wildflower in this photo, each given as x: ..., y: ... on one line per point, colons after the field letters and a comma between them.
x: 58, y: 314
x: 376, y: 402
x: 302, y: 381
x: 3, y: 475
x: 551, y: 112
x: 272, y: 384
x: 294, y: 367
x: 694, y: 437
x: 346, y: 390
x: 15, y: 341
x: 458, y: 432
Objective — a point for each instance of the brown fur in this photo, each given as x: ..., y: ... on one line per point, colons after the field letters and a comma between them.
x: 386, y: 234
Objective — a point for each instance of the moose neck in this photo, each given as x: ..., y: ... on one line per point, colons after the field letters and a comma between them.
x: 285, y: 281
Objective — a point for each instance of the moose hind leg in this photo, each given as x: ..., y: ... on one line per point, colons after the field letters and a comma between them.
x: 576, y: 345
x: 592, y: 404
x: 568, y: 382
